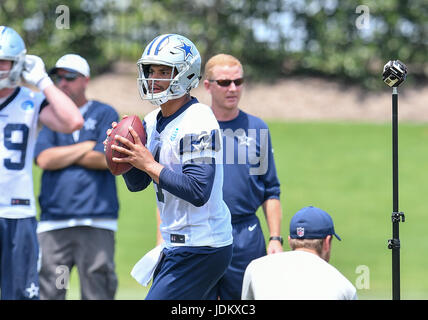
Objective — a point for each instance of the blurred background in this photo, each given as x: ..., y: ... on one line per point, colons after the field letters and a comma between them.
x: 342, y: 40
x: 336, y: 49
x: 313, y: 71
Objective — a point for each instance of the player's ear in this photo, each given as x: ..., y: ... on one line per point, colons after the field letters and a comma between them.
x: 207, y: 85
x: 327, y: 243
x: 86, y: 82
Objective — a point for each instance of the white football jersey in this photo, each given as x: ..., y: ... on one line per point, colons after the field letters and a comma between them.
x: 183, y: 139
x: 18, y: 133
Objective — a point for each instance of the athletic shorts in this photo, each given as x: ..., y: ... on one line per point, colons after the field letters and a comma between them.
x: 188, y: 273
x: 19, y: 253
x: 248, y: 244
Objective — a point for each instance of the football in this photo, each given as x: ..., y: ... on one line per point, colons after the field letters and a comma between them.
x: 122, y: 130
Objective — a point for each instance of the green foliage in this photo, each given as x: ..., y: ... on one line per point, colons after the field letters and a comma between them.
x: 42, y: 26
x: 339, y: 43
x: 273, y: 38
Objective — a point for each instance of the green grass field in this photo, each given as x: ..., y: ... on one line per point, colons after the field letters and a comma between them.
x: 344, y: 168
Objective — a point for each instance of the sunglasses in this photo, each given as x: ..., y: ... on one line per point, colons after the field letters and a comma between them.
x: 226, y: 83
x: 68, y: 77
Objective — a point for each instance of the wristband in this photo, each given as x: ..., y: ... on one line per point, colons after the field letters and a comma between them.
x: 279, y: 238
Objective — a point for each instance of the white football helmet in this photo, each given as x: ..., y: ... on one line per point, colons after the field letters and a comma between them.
x: 177, y: 52
x: 12, y: 48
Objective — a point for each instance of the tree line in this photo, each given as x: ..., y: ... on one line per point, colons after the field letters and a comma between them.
x: 349, y: 41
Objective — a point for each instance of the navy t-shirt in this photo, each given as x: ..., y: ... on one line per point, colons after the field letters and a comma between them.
x: 75, y: 191
x: 250, y: 176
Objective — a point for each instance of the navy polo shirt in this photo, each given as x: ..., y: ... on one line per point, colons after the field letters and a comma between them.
x: 250, y: 176
x: 75, y: 191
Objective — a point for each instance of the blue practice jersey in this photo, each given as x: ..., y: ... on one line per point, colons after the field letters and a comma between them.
x: 75, y: 191
x: 250, y: 176
x: 18, y: 132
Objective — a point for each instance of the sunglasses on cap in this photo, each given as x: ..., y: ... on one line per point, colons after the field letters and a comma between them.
x: 70, y: 76
x: 226, y: 83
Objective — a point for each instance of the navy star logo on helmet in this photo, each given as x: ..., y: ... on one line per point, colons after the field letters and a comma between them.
x: 187, y: 50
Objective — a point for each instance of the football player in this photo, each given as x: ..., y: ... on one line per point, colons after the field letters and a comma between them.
x: 183, y: 159
x: 20, y: 108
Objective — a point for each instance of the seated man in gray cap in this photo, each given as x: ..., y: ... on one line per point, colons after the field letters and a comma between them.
x: 303, y: 273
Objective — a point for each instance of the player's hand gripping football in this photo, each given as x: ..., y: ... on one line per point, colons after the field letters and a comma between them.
x: 136, y: 153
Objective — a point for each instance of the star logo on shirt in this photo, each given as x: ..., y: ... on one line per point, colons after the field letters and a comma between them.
x: 187, y: 50
x: 33, y: 290
x: 204, y: 142
x: 90, y: 124
x: 244, y: 140
x: 202, y: 145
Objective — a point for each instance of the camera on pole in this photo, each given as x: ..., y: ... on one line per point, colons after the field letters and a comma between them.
x: 394, y: 73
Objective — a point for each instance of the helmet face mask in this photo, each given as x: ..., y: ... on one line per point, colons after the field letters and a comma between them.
x: 174, y: 51
x: 5, y: 73
x: 148, y: 84
x: 12, y: 48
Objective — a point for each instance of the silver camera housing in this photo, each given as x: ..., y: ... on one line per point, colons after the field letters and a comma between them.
x: 394, y: 73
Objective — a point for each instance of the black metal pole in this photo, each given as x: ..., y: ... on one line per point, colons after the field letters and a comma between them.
x: 394, y: 73
x: 394, y: 244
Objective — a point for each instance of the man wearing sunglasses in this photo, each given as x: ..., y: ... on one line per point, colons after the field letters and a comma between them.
x: 247, y: 184
x: 78, y: 198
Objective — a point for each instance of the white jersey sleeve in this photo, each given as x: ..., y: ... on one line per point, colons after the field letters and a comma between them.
x: 194, y: 134
x: 18, y: 133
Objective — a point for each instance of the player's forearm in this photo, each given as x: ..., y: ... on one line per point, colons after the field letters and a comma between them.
x: 62, y: 114
x: 94, y: 160
x: 194, y: 184
x: 60, y: 157
x: 273, y: 212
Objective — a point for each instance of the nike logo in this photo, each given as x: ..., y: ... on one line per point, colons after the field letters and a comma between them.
x: 251, y: 228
